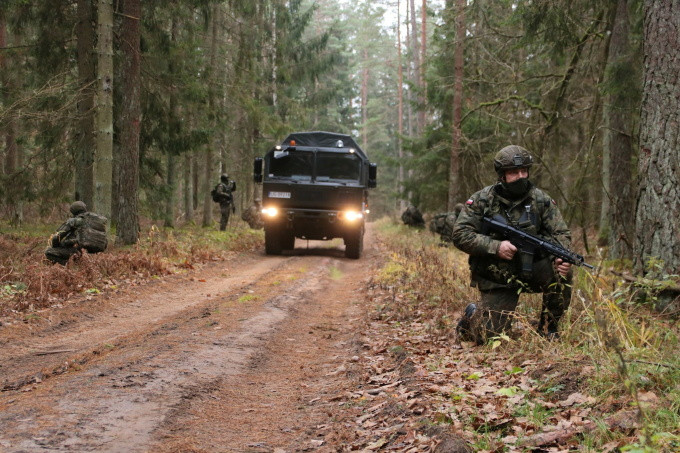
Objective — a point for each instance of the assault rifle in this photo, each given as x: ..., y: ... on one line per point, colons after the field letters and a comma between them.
x: 528, y: 244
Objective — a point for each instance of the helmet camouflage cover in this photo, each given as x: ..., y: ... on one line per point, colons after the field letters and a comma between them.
x: 512, y: 156
x: 77, y: 207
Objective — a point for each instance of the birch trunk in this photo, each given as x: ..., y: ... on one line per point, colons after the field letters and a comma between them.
x: 104, y: 110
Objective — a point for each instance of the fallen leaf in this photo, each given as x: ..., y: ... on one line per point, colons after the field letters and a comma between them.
x: 576, y: 398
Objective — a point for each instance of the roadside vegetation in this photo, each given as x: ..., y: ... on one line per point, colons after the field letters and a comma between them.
x: 609, y: 384
x: 28, y: 282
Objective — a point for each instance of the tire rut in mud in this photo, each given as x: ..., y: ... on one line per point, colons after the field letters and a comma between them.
x: 118, y: 393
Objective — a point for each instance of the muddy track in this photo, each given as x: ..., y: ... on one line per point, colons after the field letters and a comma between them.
x: 238, y: 356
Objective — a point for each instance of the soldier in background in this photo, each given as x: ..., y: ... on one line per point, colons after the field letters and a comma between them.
x: 442, y: 224
x: 413, y: 217
x: 496, y: 267
x: 253, y: 215
x: 223, y: 194
x: 85, y: 230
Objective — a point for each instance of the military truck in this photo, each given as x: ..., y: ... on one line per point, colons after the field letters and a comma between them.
x: 315, y: 186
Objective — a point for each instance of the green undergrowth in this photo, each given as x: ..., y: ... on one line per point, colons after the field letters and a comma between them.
x: 616, y: 346
x: 29, y: 282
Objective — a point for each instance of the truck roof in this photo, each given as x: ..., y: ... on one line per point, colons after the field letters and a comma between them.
x: 322, y: 139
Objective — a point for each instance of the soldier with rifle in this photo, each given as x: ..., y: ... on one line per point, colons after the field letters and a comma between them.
x: 508, y: 229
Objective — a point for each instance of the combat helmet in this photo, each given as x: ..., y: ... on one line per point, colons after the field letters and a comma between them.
x: 77, y: 207
x: 512, y: 156
x: 224, y: 177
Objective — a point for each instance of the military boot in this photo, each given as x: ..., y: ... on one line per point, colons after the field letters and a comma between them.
x: 463, y: 329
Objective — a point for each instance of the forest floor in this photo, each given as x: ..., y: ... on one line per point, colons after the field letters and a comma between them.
x: 248, y: 354
x: 308, y: 351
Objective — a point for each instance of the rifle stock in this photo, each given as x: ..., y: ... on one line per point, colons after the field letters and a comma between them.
x: 527, y: 243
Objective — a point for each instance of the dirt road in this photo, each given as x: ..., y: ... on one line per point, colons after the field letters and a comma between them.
x: 242, y: 355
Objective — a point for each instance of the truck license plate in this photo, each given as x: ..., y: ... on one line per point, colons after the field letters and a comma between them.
x: 279, y: 194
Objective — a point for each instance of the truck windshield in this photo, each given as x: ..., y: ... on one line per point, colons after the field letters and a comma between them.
x: 295, y: 165
x: 337, y: 166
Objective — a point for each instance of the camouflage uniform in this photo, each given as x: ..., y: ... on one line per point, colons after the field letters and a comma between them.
x: 442, y: 224
x: 253, y: 215
x: 64, y: 242
x: 412, y: 217
x: 224, y: 192
x: 500, y: 281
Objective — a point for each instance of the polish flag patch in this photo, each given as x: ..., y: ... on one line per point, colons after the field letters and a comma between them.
x: 469, y: 202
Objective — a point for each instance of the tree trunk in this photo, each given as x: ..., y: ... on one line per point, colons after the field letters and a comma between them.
x: 84, y: 172
x: 188, y: 192
x: 130, y: 113
x: 195, y: 175
x: 415, y: 49
x: 173, y: 132
x: 657, y: 230
x: 422, y: 112
x: 172, y: 186
x: 619, y: 141
x: 13, y: 159
x: 364, y: 101
x: 209, y: 158
x: 104, y: 109
x: 454, y: 168
x: 400, y: 113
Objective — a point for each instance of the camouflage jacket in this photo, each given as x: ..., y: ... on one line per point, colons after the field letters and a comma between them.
x: 443, y: 223
x: 224, y: 191
x: 66, y: 235
x: 253, y: 216
x: 536, y: 214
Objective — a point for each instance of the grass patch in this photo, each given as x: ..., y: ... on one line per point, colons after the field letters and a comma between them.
x: 335, y: 273
x: 248, y: 297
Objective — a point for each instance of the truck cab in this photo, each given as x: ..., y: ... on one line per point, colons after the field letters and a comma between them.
x: 315, y: 186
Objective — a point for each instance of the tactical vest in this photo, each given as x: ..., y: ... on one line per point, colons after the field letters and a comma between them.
x: 526, y: 214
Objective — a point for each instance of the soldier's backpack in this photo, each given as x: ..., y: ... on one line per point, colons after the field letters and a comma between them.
x: 92, y: 235
x: 215, y: 196
x: 218, y: 197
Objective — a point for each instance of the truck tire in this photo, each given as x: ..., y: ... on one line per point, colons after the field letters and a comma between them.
x: 354, y: 244
x: 272, y: 240
x: 287, y: 240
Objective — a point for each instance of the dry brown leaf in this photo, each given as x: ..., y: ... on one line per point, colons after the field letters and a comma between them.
x: 576, y: 398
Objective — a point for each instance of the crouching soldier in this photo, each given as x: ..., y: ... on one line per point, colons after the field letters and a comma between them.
x: 413, y: 217
x: 253, y: 215
x: 85, y: 230
x: 442, y: 224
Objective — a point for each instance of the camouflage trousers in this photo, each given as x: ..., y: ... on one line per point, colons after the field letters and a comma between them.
x: 225, y: 211
x: 496, y: 308
x: 61, y: 255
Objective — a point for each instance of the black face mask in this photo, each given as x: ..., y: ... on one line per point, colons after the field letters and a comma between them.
x: 516, y: 188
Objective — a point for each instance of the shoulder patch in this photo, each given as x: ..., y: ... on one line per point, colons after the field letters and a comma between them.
x: 553, y: 202
x: 469, y: 202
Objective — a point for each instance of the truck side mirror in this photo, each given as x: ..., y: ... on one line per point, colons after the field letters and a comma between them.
x: 372, y: 175
x: 257, y: 170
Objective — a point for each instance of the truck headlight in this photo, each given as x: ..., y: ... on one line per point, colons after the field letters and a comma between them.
x: 352, y: 216
x: 270, y: 211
